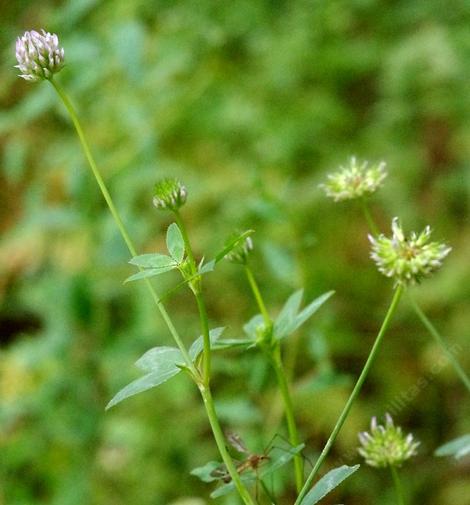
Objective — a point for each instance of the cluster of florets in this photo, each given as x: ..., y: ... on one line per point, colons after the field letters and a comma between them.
x: 169, y: 194
x: 355, y: 180
x: 241, y: 251
x: 386, y: 445
x: 39, y: 55
x: 407, y: 259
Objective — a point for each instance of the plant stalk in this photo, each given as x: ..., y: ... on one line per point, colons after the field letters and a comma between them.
x: 220, y: 441
x: 117, y: 218
x: 201, y: 305
x: 355, y: 392
x: 205, y: 391
x: 441, y: 342
x: 397, y: 483
x: 273, y: 351
x: 421, y: 315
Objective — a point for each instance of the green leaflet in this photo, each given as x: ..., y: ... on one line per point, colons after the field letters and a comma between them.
x: 459, y: 447
x: 327, y: 483
x: 290, y: 319
x: 175, y: 242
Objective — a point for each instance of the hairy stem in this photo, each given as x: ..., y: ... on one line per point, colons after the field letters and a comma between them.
x: 441, y: 342
x: 355, y: 392
x: 273, y: 351
x: 397, y: 483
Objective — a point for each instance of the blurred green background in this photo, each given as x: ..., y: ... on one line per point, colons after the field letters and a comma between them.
x: 250, y: 103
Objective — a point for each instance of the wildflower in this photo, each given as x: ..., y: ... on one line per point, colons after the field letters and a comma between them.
x: 169, y: 194
x: 407, y: 259
x: 386, y: 445
x: 39, y: 55
x: 240, y: 251
x: 354, y: 181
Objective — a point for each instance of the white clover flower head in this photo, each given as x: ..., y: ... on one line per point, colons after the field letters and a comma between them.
x: 386, y: 445
x: 241, y: 251
x: 169, y: 194
x: 39, y: 55
x: 356, y: 180
x: 407, y: 259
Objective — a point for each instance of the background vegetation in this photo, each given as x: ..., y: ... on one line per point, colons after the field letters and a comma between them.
x: 250, y: 103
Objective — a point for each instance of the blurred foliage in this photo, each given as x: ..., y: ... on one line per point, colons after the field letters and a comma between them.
x: 250, y: 103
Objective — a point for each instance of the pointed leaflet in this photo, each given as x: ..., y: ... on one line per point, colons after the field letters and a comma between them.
x: 149, y: 272
x: 175, y: 242
x: 161, y: 362
x: 290, y: 319
x: 198, y: 345
x: 459, y: 447
x: 205, y: 472
x: 327, y: 483
x: 254, y: 326
x: 286, y: 317
x: 153, y: 261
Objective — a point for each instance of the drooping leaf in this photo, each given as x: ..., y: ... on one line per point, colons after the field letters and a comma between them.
x: 232, y: 343
x: 144, y: 383
x: 327, y: 483
x: 155, y: 260
x: 458, y: 448
x: 149, y: 272
x: 204, y: 472
x: 198, y: 345
x: 175, y: 242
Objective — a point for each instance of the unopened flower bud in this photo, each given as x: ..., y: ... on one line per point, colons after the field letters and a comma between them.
x: 39, y: 55
x: 407, y: 259
x: 355, y: 180
x: 386, y: 445
x: 169, y: 194
x: 241, y: 251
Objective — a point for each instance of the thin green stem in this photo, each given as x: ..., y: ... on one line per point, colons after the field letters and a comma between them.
x: 117, y: 218
x: 201, y: 305
x: 289, y: 411
x: 273, y: 351
x: 258, y: 297
x: 397, y: 483
x: 205, y: 391
x: 441, y: 342
x: 220, y: 441
x: 355, y: 392
x: 370, y: 220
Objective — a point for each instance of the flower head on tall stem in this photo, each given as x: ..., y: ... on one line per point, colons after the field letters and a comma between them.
x: 169, y: 194
x: 356, y: 180
x: 407, y: 259
x: 39, y: 55
x: 386, y: 445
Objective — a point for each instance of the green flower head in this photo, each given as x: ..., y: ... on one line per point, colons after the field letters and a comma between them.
x: 355, y: 180
x: 386, y: 445
x: 169, y: 194
x: 39, y: 55
x: 410, y: 259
